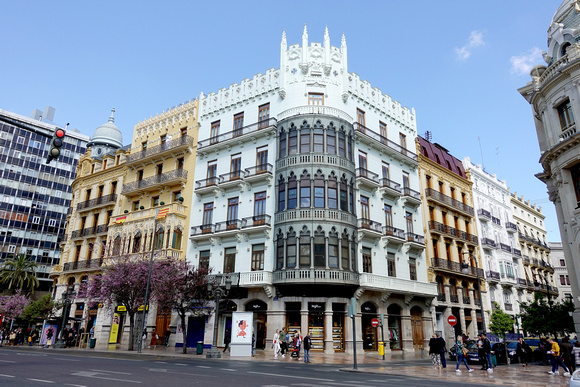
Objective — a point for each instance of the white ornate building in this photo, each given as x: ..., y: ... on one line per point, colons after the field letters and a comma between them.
x: 554, y: 96
x: 561, y: 276
x: 307, y: 195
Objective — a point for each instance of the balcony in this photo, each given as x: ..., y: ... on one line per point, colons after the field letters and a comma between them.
x: 488, y: 243
x: 225, y: 181
x: 255, y: 278
x: 370, y: 227
x: 176, y: 145
x: 506, y: 248
x: 390, y: 189
x: 484, y: 215
x: 397, y: 285
x: 394, y: 235
x: 533, y: 241
x: 364, y: 133
x: 440, y: 264
x: 411, y: 196
x: 102, y: 229
x: 206, y: 185
x: 175, y: 209
x: 517, y: 253
x: 314, y: 158
x: 415, y: 240
x: 257, y: 174
x: 222, y: 140
x: 437, y: 227
x: 441, y: 297
x: 177, y: 176
x: 526, y: 259
x: 522, y: 282
x: 466, y: 300
x: 315, y: 214
x: 454, y: 298
x: 88, y: 264
x: 477, y: 301
x: 366, y: 178
x: 511, y: 227
x: 496, y: 220
x: 508, y: 307
x: 314, y: 110
x: 76, y: 234
x: 97, y: 202
x: 492, y: 276
x: 252, y: 224
x: 448, y: 201
x: 469, y: 238
x: 315, y: 276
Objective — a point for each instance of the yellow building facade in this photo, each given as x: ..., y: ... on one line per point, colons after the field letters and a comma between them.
x: 451, y: 240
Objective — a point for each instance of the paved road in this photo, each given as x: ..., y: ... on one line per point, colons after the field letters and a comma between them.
x: 50, y: 367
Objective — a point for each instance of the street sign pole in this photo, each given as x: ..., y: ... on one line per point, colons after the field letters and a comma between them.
x: 352, y: 313
x: 383, y: 333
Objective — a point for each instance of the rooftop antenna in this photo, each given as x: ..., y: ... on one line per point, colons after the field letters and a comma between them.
x: 481, y: 152
x: 428, y: 135
x: 498, y: 163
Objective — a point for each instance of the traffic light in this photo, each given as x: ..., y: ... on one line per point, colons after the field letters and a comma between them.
x: 56, y: 144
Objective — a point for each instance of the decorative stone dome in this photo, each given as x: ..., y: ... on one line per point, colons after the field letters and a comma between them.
x: 564, y: 30
x: 107, y: 136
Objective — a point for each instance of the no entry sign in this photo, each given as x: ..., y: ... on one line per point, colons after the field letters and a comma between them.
x: 452, y: 320
x: 375, y: 322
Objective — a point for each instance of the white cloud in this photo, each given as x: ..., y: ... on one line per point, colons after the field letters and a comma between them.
x: 475, y: 40
x: 523, y: 64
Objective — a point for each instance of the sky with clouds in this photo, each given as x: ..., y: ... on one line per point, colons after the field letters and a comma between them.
x: 458, y: 63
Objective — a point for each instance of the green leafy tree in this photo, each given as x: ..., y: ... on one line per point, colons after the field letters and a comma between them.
x: 19, y: 272
x: 501, y: 322
x: 542, y: 318
x: 40, y: 309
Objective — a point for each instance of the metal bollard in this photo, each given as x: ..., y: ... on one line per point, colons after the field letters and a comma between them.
x: 403, y: 351
x: 422, y: 356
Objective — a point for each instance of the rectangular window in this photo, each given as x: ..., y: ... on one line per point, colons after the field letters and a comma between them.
x: 360, y: 117
x: 229, y: 260
x: 386, y: 171
x: 565, y: 114
x: 305, y: 140
x: 391, y: 271
x: 292, y: 142
x: 175, y: 196
x: 12, y: 248
x: 180, y: 162
x: 280, y: 253
x: 333, y: 252
x: 319, y: 193
x: 212, y: 172
x: 238, y: 124
x: 367, y: 260
x: 163, y: 138
x: 412, y: 269
x: 282, y: 147
x: 331, y: 142
x: 155, y: 201
x: 259, y: 207
x: 383, y: 129
x: 52, y: 223
x: 562, y: 262
x: 135, y: 205
x: 341, y: 144
x: 291, y: 252
x: 305, y: 251
x: 292, y: 194
x: 159, y: 169
x: 207, y: 217
x: 262, y: 159
x: 362, y: 164
x: 281, y: 196
x: 140, y: 175
x: 365, y: 211
x: 318, y: 140
x: 343, y: 200
x: 235, y: 166
x: 215, y: 131
x: 388, y: 217
x: 36, y: 219
x: 406, y: 182
x: 204, y: 259
x: 232, y: 213
x: 263, y: 115
x: 409, y: 221
x: 315, y: 99
x: 305, y: 194
x: 258, y: 257
x: 562, y: 280
x: 144, y: 145
x: 332, y: 194
x: 319, y: 251
x: 403, y: 142
x: 183, y: 131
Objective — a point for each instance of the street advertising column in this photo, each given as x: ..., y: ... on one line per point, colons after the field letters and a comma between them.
x: 242, y: 323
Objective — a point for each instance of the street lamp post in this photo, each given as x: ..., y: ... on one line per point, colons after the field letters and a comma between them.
x: 465, y: 269
x: 218, y: 292
x: 66, y: 298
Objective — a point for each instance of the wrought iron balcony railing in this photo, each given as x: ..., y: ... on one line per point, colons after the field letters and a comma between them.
x: 112, y: 198
x: 167, y: 145
x: 383, y: 140
x: 176, y: 174
x: 263, y: 124
x: 456, y: 267
x: 393, y: 232
x: 448, y: 200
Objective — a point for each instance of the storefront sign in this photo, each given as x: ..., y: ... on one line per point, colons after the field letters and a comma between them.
x: 115, y: 328
x: 121, y: 308
x: 316, y: 306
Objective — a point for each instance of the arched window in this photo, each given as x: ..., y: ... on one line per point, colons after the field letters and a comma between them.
x: 319, y: 190
x: 280, y: 251
x: 281, y: 194
x: 333, y: 250
x: 305, y: 252
x: 305, y: 139
x: 292, y: 194
x: 319, y: 249
x: 291, y: 250
x: 136, y: 242
x: 292, y: 141
x: 440, y: 287
x: 158, y: 242
x: 465, y: 290
x: 282, y: 142
x: 331, y: 140
x: 343, y: 194
x: 453, y: 287
x: 341, y: 144
x: 318, y: 140
x: 332, y: 193
x: 344, y: 250
x: 305, y: 190
x: 117, y: 245
x: 176, y: 243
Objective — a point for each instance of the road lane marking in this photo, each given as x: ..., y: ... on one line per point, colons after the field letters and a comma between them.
x: 7, y: 361
x: 94, y: 375
x: 203, y: 367
x: 113, y: 372
x: 64, y: 359
x: 291, y: 376
x: 74, y: 385
x: 164, y: 370
x: 7, y: 376
x: 180, y: 364
x: 228, y: 369
x: 41, y: 381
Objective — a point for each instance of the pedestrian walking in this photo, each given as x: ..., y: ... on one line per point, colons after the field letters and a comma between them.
x: 443, y: 347
x: 276, y: 343
x: 555, y: 358
x: 228, y: 340
x: 297, y: 340
x: 434, y: 351
x: 167, y: 334
x: 253, y: 343
x: 461, y: 353
x: 283, y: 342
x: 481, y: 352
x: 307, y: 345
x: 49, y: 334
x: 521, y: 352
x: 566, y: 348
x: 487, y: 351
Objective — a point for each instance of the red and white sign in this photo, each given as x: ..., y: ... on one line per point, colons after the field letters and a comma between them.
x: 452, y: 320
x: 375, y: 322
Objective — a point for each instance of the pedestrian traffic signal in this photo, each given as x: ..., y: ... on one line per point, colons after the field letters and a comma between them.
x: 56, y: 144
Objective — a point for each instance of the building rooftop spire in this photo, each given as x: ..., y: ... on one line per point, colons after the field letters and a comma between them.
x: 112, y: 118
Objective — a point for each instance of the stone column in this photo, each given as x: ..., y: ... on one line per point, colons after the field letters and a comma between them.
x: 340, y: 251
x: 406, y: 333
x: 304, y: 317
x: 326, y: 250
x: 328, y: 342
x: 312, y: 250
x: 462, y: 320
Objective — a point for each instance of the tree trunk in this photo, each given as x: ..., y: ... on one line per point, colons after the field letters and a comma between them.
x: 507, y: 358
x: 184, y: 332
x: 131, y: 324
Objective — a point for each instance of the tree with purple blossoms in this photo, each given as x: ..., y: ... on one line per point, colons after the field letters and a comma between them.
x: 181, y: 287
x: 13, y: 306
x: 122, y: 282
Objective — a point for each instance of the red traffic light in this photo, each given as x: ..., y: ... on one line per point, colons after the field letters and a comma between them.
x: 59, y: 133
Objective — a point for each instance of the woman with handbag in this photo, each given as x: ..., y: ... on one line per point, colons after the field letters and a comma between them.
x: 276, y: 343
x: 461, y: 352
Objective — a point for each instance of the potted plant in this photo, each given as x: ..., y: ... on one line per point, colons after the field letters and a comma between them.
x: 126, y: 211
x: 161, y: 203
x: 142, y: 207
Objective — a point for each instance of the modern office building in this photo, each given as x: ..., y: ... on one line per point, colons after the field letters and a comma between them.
x: 35, y: 196
x: 451, y: 238
x: 554, y: 97
x: 307, y: 194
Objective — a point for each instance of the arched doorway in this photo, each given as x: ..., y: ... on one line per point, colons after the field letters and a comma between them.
x: 369, y: 333
x: 417, y: 327
x: 394, y: 327
x: 260, y: 321
x: 225, y: 320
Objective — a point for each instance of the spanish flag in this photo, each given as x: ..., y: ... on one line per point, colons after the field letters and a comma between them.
x: 120, y: 220
x: 162, y: 213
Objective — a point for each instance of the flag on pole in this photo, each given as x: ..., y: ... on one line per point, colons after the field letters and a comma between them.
x: 162, y: 213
